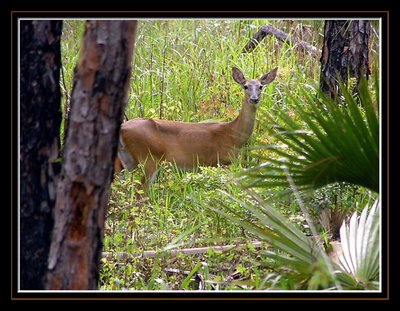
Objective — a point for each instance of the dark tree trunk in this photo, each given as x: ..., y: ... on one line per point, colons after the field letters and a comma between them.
x: 345, y: 54
x: 98, y: 98
x: 40, y: 119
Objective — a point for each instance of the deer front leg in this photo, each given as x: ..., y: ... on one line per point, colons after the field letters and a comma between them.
x: 150, y: 173
x: 150, y: 169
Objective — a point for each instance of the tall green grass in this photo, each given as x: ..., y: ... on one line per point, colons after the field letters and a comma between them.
x: 182, y: 68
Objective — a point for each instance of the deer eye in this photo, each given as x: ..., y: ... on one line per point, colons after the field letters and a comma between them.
x: 261, y: 87
x: 245, y: 87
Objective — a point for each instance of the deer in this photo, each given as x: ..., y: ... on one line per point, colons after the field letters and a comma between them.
x: 150, y: 141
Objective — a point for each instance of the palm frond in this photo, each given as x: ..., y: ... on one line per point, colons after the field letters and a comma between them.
x: 289, y: 247
x: 360, y: 246
x: 323, y: 143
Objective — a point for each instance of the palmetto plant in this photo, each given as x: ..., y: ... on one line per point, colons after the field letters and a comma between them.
x: 325, y: 142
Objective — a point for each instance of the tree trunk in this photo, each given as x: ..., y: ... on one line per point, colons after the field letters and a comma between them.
x: 40, y: 119
x: 345, y: 54
x: 98, y: 97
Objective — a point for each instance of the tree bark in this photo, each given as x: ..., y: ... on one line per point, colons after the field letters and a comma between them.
x: 345, y: 54
x: 40, y: 120
x: 98, y: 98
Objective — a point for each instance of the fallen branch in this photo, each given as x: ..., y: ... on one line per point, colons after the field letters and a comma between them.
x: 282, y: 36
x: 174, y: 252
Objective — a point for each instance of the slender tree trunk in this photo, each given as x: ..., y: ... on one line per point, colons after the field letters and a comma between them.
x: 98, y: 98
x: 40, y: 119
x: 345, y: 54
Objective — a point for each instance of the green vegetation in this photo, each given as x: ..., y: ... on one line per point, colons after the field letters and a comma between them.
x: 182, y: 71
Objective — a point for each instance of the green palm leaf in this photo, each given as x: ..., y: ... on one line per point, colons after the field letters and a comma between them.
x: 323, y: 143
x: 291, y: 247
x: 360, y: 247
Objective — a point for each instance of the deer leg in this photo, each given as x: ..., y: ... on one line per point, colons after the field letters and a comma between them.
x: 151, y: 171
x: 150, y: 174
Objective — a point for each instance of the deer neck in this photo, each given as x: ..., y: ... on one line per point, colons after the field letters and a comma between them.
x: 243, y: 125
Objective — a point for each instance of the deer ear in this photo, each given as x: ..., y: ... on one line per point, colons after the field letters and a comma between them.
x: 269, y: 77
x: 238, y: 76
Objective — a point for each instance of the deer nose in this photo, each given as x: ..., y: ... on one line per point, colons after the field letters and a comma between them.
x: 254, y: 99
